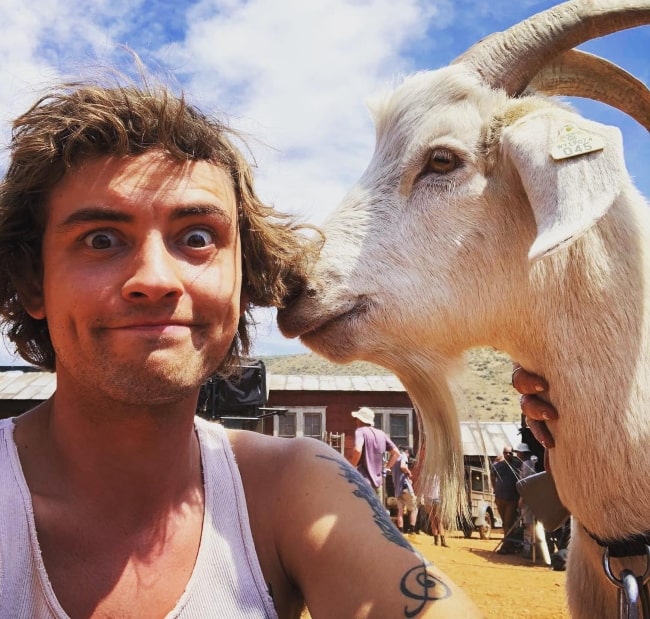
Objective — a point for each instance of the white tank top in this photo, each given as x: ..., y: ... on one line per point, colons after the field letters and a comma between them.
x: 227, y: 579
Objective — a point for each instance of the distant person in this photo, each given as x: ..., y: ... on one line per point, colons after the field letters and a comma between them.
x: 504, y: 474
x: 430, y: 510
x: 533, y: 531
x: 433, y: 503
x: 370, y: 445
x: 403, y: 490
x: 525, y: 460
x: 558, y: 544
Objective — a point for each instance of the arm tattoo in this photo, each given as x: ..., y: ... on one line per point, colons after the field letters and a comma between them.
x: 364, y: 491
x: 417, y: 584
x: 421, y: 586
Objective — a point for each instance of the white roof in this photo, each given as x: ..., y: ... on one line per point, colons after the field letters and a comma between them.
x: 295, y: 382
x: 481, y: 438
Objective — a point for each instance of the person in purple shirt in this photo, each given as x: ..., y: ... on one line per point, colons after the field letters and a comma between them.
x: 370, y: 445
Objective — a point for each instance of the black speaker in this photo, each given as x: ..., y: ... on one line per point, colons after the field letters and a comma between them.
x: 240, y: 395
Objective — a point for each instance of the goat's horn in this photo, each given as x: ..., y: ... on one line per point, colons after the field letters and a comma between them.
x: 510, y: 59
x: 579, y: 74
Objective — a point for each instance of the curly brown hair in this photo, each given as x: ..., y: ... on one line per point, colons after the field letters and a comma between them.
x: 81, y: 120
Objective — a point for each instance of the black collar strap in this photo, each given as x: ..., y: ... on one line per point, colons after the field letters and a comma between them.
x: 632, y: 546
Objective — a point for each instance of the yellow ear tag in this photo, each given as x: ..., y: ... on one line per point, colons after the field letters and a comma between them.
x: 573, y: 142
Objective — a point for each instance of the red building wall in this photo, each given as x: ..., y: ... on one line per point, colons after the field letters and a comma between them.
x: 339, y: 405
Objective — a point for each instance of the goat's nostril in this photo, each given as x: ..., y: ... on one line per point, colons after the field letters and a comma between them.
x: 310, y: 292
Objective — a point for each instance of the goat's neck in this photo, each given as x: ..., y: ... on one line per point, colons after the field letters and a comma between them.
x: 592, y: 344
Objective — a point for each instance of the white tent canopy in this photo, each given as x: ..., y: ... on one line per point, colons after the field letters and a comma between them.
x: 482, y: 438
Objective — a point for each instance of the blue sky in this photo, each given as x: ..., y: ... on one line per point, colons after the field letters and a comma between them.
x: 294, y: 75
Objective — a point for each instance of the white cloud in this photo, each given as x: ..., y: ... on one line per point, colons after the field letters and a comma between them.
x: 296, y: 74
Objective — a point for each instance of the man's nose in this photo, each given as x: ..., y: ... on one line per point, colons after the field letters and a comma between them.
x: 155, y: 273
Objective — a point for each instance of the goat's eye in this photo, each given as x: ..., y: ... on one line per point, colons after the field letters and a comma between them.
x: 442, y: 161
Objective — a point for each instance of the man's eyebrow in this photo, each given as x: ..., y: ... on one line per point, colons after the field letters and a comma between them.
x: 191, y: 210
x: 102, y: 214
x: 94, y: 213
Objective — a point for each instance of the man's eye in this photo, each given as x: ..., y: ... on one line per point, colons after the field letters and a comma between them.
x: 100, y: 240
x: 197, y: 238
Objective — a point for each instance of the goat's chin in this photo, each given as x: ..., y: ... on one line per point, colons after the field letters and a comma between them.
x: 314, y: 321
x: 339, y: 335
x: 337, y: 342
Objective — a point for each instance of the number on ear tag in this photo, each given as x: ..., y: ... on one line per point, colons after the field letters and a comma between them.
x: 573, y: 142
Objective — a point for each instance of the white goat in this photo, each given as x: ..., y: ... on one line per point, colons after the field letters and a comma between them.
x: 492, y: 215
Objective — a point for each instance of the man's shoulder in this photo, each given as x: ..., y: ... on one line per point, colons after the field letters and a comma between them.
x: 290, y: 468
x: 266, y: 452
x: 247, y: 444
x: 365, y: 433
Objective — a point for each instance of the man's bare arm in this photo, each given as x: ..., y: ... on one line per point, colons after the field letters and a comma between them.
x: 339, y: 529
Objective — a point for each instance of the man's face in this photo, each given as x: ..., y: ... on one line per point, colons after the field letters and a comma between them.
x: 141, y: 275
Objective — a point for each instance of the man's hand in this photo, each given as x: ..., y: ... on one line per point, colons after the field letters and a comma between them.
x: 537, y: 410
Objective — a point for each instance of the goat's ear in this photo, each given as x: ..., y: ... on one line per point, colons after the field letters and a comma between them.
x: 572, y: 170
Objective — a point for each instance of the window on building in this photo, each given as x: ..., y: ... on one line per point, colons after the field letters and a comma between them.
x: 313, y: 425
x: 397, y: 423
x: 300, y: 422
x: 286, y: 425
x: 399, y: 428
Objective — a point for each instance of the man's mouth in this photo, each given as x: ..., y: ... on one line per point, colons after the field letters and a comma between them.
x: 164, y: 326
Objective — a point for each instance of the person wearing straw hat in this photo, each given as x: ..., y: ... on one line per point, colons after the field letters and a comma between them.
x: 370, y: 445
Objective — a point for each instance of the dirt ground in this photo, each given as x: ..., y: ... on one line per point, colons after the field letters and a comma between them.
x: 502, y: 586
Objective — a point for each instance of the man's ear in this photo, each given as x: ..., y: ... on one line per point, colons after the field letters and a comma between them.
x: 32, y: 299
